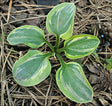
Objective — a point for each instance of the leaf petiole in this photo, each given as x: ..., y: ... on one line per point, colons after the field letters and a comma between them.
x: 48, y: 54
x: 57, y: 42
x: 60, y: 59
x: 50, y: 46
x: 60, y: 50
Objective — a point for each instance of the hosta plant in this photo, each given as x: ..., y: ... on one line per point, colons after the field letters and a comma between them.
x: 34, y: 66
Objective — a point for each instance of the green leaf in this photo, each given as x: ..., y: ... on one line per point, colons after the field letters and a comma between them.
x: 32, y: 68
x: 60, y: 20
x: 109, y: 61
x: 80, y: 45
x: 29, y: 35
x: 109, y: 67
x: 72, y: 81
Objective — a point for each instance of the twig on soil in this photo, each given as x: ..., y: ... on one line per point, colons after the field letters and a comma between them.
x: 9, y: 96
x: 33, y: 96
x: 39, y: 16
x: 10, y: 5
x: 48, y: 92
x: 109, y: 53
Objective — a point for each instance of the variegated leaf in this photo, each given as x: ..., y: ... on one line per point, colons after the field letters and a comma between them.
x: 80, y: 45
x: 32, y: 68
x: 60, y: 20
x: 72, y: 81
x: 30, y: 35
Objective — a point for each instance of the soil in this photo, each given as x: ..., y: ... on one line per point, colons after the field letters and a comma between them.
x: 92, y: 17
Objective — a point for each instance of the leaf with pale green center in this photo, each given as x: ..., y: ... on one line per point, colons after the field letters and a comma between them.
x: 80, y: 45
x: 60, y: 20
x: 32, y: 68
x: 29, y: 35
x: 72, y: 81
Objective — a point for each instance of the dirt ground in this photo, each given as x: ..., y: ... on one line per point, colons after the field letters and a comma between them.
x: 92, y: 17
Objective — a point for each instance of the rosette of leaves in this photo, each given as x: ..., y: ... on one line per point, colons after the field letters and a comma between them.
x: 34, y: 66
